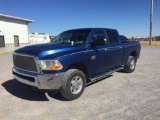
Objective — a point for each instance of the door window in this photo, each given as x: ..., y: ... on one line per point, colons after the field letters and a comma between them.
x: 99, y: 38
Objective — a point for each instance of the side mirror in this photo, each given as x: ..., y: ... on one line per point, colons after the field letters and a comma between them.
x: 92, y: 44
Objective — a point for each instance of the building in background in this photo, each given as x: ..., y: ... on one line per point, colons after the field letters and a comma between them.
x: 13, y: 32
x: 52, y: 37
x: 37, y: 38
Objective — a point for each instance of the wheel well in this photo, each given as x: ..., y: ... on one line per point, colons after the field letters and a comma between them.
x: 80, y: 66
x: 134, y: 54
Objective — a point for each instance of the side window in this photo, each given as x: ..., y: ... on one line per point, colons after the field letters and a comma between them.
x: 113, y: 36
x: 99, y: 38
x: 123, y: 38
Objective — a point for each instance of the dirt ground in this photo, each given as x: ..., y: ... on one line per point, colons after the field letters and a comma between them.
x: 122, y: 96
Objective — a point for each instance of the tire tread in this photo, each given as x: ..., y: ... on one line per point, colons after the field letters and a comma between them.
x: 64, y: 89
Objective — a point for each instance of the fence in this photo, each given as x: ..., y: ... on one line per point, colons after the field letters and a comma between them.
x: 142, y: 39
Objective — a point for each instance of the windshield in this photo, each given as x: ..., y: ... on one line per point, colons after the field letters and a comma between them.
x: 72, y: 37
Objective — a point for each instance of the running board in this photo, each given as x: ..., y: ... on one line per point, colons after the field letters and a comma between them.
x: 103, y: 75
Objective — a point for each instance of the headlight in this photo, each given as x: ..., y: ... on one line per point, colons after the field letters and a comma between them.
x: 51, y: 65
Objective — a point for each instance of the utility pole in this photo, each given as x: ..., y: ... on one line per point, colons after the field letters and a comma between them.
x: 151, y: 14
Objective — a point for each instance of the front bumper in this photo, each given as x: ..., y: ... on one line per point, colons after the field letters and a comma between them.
x: 40, y: 81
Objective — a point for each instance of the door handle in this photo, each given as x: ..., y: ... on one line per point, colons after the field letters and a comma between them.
x: 106, y: 49
x: 120, y: 47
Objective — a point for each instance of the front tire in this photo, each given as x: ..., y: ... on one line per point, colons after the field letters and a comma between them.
x: 131, y: 64
x: 73, y: 84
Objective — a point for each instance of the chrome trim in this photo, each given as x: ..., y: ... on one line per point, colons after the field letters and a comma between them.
x: 42, y: 81
x: 25, y: 81
x: 36, y: 60
x: 76, y: 85
x: 105, y: 74
x: 132, y: 65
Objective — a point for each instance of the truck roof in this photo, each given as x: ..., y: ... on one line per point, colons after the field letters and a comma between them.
x: 91, y: 29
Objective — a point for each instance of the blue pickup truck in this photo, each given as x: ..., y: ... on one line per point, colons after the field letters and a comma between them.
x: 73, y: 59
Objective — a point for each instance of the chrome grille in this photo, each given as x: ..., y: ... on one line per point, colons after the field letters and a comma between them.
x: 25, y: 62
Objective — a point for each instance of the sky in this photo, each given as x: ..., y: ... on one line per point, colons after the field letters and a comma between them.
x: 130, y: 17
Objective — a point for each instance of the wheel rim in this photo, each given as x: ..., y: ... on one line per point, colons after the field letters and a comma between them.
x: 76, y: 85
x: 132, y: 65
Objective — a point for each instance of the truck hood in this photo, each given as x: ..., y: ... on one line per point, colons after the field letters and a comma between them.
x: 49, y: 50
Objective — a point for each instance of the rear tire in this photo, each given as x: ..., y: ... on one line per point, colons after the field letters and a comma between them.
x: 73, y: 84
x: 131, y: 64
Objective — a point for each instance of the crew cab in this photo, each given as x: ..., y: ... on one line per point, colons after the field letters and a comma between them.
x: 73, y: 59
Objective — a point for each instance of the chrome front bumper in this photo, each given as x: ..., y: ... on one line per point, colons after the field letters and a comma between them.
x: 41, y: 81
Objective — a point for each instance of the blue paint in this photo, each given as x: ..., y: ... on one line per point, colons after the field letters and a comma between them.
x: 68, y: 54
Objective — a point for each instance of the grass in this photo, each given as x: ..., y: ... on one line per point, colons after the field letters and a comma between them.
x: 154, y: 43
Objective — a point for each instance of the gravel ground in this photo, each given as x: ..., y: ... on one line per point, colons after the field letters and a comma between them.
x: 122, y: 96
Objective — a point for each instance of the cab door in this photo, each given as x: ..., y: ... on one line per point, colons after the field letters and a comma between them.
x: 98, y: 53
x: 115, y: 47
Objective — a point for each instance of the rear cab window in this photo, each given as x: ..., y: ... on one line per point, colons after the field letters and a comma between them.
x: 112, y: 36
x: 124, y: 38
